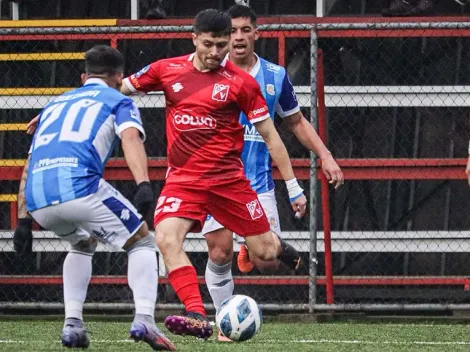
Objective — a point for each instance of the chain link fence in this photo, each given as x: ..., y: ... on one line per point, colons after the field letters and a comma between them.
x: 396, y: 105
x: 392, y: 103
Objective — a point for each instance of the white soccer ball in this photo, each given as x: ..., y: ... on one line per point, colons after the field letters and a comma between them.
x: 239, y: 318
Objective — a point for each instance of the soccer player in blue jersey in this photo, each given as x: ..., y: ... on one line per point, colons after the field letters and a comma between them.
x: 281, y: 99
x: 62, y: 189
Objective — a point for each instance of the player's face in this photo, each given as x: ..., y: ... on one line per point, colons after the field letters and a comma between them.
x: 210, y: 51
x: 244, y: 34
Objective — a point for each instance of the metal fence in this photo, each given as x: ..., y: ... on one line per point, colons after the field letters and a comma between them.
x: 391, y: 100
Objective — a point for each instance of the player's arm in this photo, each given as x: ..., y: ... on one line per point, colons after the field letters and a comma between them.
x: 289, y: 110
x: 253, y: 104
x: 23, y: 235
x: 310, y: 139
x: 279, y: 154
x: 22, y: 213
x: 144, y: 81
x: 135, y: 155
x: 128, y: 126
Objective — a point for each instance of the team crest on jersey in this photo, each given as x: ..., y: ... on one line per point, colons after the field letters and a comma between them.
x: 270, y: 89
x: 142, y: 71
x: 220, y: 92
x: 272, y: 222
x: 255, y: 209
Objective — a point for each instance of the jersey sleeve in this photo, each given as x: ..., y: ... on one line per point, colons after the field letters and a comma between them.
x: 146, y: 80
x: 287, y: 104
x: 252, y: 102
x: 126, y: 116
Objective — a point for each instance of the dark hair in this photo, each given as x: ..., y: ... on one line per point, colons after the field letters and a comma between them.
x: 242, y: 11
x: 213, y: 21
x: 103, y: 60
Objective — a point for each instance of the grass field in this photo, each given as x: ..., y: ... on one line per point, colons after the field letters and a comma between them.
x: 112, y: 336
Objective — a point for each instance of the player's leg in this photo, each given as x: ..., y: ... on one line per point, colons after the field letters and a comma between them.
x: 264, y: 251
x: 289, y: 256
x: 77, y: 270
x: 142, y: 273
x: 117, y: 223
x: 236, y: 206
x: 180, y: 210
x: 269, y: 204
x: 218, y: 274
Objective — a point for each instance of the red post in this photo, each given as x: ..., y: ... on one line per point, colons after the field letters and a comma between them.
x: 113, y: 43
x: 325, y: 194
x: 281, y: 48
x: 13, y: 214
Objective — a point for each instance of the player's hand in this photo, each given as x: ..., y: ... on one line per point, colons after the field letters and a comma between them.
x: 332, y: 171
x: 144, y: 200
x: 23, y: 237
x: 467, y: 170
x: 31, y: 126
x: 299, y: 205
x: 296, y: 197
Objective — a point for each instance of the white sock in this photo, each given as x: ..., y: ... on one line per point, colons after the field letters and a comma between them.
x: 219, y: 281
x: 142, y: 274
x: 77, y: 274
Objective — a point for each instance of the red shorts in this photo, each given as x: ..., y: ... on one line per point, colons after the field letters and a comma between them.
x: 232, y: 203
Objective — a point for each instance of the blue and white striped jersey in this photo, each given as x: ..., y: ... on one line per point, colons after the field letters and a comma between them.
x: 280, y: 97
x: 74, y: 138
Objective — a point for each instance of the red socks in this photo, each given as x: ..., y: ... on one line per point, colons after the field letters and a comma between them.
x: 184, y: 282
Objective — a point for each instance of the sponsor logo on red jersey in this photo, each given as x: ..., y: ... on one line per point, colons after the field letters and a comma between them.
x: 220, y: 92
x: 255, y: 209
x: 189, y: 122
x: 135, y: 82
x: 173, y: 66
x: 258, y: 112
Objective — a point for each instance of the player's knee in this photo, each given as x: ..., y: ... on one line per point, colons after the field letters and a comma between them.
x: 165, y: 242
x: 87, y: 246
x: 221, y: 255
x: 142, y: 233
x: 265, y: 252
x: 220, y: 246
x: 145, y: 243
x: 266, y: 256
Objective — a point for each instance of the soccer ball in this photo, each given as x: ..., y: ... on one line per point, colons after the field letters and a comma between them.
x: 239, y: 318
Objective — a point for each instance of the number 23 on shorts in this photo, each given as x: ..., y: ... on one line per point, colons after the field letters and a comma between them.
x: 167, y: 205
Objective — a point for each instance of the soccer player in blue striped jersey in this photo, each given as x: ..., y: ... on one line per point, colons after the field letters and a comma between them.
x: 280, y: 97
x: 62, y: 189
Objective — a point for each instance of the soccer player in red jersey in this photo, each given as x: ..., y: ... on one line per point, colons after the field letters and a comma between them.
x: 204, y: 97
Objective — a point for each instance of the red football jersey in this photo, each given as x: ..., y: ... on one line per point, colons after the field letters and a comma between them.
x: 205, y: 138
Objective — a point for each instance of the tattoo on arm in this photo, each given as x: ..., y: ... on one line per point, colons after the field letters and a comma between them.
x: 22, y: 213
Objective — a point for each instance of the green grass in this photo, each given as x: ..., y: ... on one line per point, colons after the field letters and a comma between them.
x: 109, y: 336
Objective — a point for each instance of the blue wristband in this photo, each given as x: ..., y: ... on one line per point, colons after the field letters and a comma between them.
x: 297, y: 196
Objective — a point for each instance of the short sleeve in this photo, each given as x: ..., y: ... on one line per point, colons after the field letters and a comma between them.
x: 251, y: 101
x: 287, y: 103
x: 146, y: 80
x: 126, y: 116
